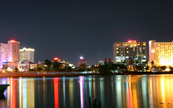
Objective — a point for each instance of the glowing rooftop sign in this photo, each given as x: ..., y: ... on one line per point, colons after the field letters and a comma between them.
x: 13, y: 41
x: 130, y: 41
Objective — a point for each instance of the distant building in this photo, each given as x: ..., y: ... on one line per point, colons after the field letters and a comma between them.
x: 108, y: 61
x: 3, y: 54
x: 27, y: 54
x: 81, y: 61
x: 27, y: 66
x: 160, y: 53
x: 101, y: 62
x: 127, y: 51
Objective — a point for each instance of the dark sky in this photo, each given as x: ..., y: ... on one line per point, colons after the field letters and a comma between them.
x: 71, y: 28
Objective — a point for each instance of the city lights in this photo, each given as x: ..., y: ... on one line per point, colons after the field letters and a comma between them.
x: 81, y: 57
x: 153, y: 51
x: 129, y: 41
x: 13, y: 41
x: 56, y: 58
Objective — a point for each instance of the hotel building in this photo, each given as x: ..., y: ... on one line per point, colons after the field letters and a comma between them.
x: 3, y: 54
x: 130, y: 50
x: 13, y: 54
x: 27, y: 54
x: 9, y: 54
x: 160, y: 53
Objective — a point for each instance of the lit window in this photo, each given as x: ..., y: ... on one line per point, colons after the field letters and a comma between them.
x: 133, y: 49
x: 144, y: 43
x: 153, y: 51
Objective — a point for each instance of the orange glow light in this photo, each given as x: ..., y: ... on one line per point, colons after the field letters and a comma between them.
x: 56, y: 58
x: 129, y: 41
x: 153, y: 51
x: 13, y: 41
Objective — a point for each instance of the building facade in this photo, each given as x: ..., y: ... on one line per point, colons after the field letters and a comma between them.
x: 129, y: 51
x: 3, y: 54
x: 27, y: 54
x: 160, y: 53
x: 13, y: 53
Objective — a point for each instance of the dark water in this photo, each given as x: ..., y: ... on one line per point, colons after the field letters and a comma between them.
x: 132, y: 91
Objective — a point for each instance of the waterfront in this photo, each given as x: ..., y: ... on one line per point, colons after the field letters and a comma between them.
x: 133, y: 91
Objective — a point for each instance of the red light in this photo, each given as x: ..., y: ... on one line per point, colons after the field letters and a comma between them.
x: 13, y: 41
x: 130, y: 41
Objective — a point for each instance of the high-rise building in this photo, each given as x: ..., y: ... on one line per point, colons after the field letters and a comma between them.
x: 13, y: 51
x: 81, y: 61
x: 131, y: 50
x: 27, y: 54
x: 160, y: 53
x: 3, y: 54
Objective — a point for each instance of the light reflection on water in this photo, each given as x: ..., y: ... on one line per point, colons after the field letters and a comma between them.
x: 132, y: 91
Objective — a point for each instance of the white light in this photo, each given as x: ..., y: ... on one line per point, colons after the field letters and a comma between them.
x: 153, y: 51
x: 167, y: 69
x: 81, y: 57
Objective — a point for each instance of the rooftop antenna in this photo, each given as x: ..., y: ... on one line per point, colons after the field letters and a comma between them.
x: 99, y: 57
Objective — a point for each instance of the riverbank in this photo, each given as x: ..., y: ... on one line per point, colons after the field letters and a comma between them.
x: 71, y: 74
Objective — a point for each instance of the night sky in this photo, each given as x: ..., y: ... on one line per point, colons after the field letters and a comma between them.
x: 70, y: 28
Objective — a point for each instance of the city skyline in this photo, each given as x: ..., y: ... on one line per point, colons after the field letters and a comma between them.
x: 132, y: 43
x: 71, y: 29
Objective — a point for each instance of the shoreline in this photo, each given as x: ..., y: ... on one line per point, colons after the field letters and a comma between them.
x: 72, y: 74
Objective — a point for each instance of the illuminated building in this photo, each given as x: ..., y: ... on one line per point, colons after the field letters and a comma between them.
x: 13, y: 51
x: 26, y: 66
x: 13, y: 54
x: 131, y: 50
x: 3, y: 54
x: 160, y: 53
x: 27, y: 54
x: 81, y: 61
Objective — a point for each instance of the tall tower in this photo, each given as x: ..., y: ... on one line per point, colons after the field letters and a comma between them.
x: 13, y: 51
x: 27, y: 54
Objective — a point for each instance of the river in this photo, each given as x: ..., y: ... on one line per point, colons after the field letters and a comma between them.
x: 128, y: 91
